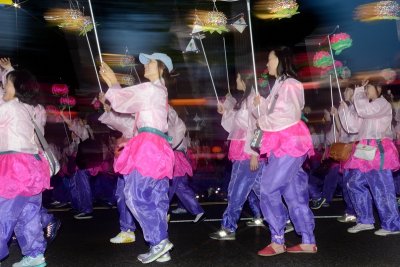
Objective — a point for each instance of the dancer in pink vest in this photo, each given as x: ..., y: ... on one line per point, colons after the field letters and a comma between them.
x: 287, y: 142
x: 24, y: 171
x: 147, y: 160
x: 370, y: 176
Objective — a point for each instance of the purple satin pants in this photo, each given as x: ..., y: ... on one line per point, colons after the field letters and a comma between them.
x: 126, y: 222
x: 180, y: 186
x: 241, y: 183
x: 284, y: 177
x: 81, y: 192
x: 378, y: 187
x: 21, y: 215
x: 254, y: 203
x: 147, y: 199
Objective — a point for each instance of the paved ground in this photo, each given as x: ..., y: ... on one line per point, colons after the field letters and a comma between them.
x: 85, y: 243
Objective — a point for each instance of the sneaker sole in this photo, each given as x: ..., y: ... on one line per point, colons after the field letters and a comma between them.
x: 319, y: 206
x: 223, y: 238
x: 355, y: 232
x: 84, y: 218
x: 163, y: 259
x: 165, y: 250
x: 202, y: 218
x: 123, y: 242
x: 386, y: 234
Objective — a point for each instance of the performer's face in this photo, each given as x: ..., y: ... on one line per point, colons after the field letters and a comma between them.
x: 240, y: 85
x: 151, y: 71
x: 9, y: 93
x: 272, y: 64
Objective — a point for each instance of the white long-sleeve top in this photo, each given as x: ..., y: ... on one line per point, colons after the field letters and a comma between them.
x: 240, y: 124
x: 3, y: 75
x: 177, y: 130
x: 349, y: 113
x: 17, y: 132
x: 374, y: 118
x: 148, y: 101
x: 124, y: 123
x: 289, y: 103
x: 82, y: 131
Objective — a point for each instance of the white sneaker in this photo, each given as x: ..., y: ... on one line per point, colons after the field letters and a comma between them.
x: 27, y: 261
x: 156, y: 252
x: 383, y: 232
x: 346, y: 218
x: 199, y: 217
x: 123, y: 238
x: 179, y: 211
x: 359, y: 227
x: 289, y: 227
x: 164, y: 258
x: 255, y: 222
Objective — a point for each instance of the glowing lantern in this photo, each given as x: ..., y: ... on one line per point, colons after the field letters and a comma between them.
x: 389, y: 75
x: 322, y: 59
x: 340, y: 41
x: 67, y: 101
x: 215, y: 22
x: 59, y: 89
x: 278, y: 9
x: 382, y: 10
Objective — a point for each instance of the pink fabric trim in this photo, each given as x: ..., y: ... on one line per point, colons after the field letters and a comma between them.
x: 391, y: 158
x: 22, y: 174
x: 294, y: 141
x: 149, y: 154
x: 236, y: 150
x: 182, y: 165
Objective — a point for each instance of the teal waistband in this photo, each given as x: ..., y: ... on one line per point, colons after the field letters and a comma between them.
x: 155, y: 131
x: 8, y: 152
x: 36, y: 156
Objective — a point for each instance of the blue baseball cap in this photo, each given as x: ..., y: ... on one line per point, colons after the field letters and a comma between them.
x: 145, y: 58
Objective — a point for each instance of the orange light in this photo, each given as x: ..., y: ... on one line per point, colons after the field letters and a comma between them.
x: 188, y: 102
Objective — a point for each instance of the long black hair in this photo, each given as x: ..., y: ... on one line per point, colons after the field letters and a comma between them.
x: 285, y: 67
x: 248, y: 80
x: 26, y: 86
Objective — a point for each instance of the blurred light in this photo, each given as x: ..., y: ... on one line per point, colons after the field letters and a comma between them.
x: 69, y: 19
x: 382, y: 10
x: 189, y: 102
x: 216, y: 149
x: 118, y: 60
x: 6, y: 2
x: 276, y: 9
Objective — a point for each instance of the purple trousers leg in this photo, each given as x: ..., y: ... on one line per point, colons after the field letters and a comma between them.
x: 346, y: 196
x: 126, y: 222
x: 314, y: 186
x: 61, y: 191
x: 180, y: 187
x: 45, y: 217
x: 285, y: 177
x: 22, y: 216
x: 254, y: 203
x: 331, y: 182
x: 81, y: 192
x: 242, y: 182
x: 378, y: 186
x: 147, y: 199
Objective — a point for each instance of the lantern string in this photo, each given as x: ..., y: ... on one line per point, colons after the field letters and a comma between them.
x: 226, y: 65
x: 95, y: 30
x: 94, y: 63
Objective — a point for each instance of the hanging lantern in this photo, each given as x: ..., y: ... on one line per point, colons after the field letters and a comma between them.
x: 59, y: 89
x: 240, y: 25
x: 322, y: 59
x: 340, y: 41
x: 276, y: 9
x: 389, y: 75
x: 69, y: 19
x: 87, y: 25
x: 96, y: 104
x: 51, y: 110
x: 215, y: 22
x: 127, y: 61
x: 284, y: 8
x: 67, y: 101
x: 382, y: 10
x: 125, y: 79
x: 263, y: 79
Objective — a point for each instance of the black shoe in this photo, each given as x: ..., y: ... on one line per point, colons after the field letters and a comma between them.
x: 52, y: 230
x: 317, y: 203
